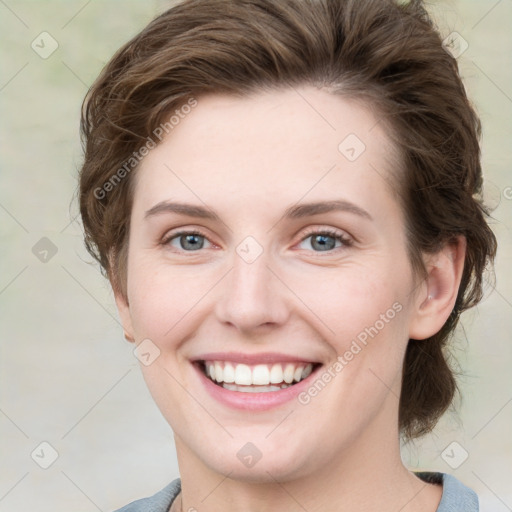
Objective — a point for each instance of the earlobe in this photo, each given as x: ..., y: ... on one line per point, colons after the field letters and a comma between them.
x: 124, y: 314
x: 128, y: 337
x: 122, y: 303
x: 437, y: 298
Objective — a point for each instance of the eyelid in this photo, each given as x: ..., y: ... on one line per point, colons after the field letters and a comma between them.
x: 325, y: 230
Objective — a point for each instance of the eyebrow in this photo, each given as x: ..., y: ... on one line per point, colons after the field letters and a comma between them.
x: 309, y: 209
x: 293, y: 212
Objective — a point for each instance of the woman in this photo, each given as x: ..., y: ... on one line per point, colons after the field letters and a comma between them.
x: 284, y: 196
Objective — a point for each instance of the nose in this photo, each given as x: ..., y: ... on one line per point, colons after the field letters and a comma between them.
x: 252, y: 297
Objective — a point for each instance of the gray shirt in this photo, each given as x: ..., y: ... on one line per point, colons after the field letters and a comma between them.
x: 456, y: 496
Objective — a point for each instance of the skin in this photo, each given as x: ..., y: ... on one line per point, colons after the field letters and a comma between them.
x: 248, y: 160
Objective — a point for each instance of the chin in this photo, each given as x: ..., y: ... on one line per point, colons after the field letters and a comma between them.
x: 248, y: 464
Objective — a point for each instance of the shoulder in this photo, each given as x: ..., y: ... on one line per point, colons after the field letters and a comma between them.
x: 159, y: 502
x: 456, y: 496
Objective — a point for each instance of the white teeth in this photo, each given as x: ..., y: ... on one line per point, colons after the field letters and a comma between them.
x: 276, y: 374
x: 260, y: 375
x: 307, y: 370
x: 298, y: 373
x: 243, y: 375
x: 288, y: 373
x: 229, y: 373
x: 233, y: 375
x: 218, y: 372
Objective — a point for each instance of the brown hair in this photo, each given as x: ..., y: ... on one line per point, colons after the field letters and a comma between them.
x: 384, y: 52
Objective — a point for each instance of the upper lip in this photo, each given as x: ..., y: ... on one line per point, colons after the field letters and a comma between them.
x: 252, y: 359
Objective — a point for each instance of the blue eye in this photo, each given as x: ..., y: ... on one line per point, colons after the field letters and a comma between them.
x: 321, y: 241
x: 326, y: 240
x: 188, y: 240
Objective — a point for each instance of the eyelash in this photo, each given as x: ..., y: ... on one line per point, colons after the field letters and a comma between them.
x: 337, y: 235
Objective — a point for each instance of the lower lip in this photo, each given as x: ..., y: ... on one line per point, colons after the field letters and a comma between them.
x: 254, y: 401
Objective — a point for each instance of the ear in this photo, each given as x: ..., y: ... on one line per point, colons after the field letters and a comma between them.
x: 438, y: 293
x: 124, y: 314
x: 121, y: 298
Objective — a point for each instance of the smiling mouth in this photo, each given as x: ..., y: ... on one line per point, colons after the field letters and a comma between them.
x: 259, y: 378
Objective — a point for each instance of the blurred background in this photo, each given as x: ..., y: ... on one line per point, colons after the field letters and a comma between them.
x: 78, y: 428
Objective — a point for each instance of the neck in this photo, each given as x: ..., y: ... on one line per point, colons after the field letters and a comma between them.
x: 364, y: 477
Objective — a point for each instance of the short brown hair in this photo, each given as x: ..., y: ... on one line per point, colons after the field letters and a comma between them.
x: 384, y: 52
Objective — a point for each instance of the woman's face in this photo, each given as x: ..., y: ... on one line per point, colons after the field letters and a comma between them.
x: 269, y: 288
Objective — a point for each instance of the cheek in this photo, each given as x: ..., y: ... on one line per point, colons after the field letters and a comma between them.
x: 341, y: 302
x: 161, y: 297
x: 362, y: 314
x: 349, y: 299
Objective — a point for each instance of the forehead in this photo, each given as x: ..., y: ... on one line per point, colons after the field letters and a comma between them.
x: 284, y: 144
